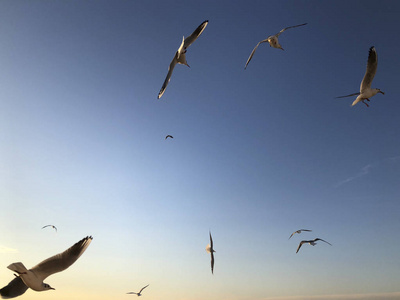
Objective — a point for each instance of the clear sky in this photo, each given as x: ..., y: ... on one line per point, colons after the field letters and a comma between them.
x: 256, y: 154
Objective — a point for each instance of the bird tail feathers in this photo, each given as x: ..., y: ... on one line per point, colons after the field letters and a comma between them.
x: 17, y: 267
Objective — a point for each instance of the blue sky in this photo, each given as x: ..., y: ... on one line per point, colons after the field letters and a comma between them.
x: 256, y: 154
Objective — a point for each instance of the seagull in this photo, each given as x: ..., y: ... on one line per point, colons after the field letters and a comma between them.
x: 180, y: 55
x: 312, y: 243
x: 34, y: 277
x: 139, y: 294
x: 51, y: 226
x: 298, y: 231
x: 273, y: 42
x: 210, y: 249
x: 169, y: 136
x: 365, y: 88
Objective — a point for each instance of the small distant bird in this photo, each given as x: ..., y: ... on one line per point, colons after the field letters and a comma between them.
x: 312, y: 243
x: 169, y: 136
x: 33, y: 278
x: 139, y: 294
x: 180, y: 55
x: 50, y: 226
x: 298, y: 231
x: 273, y: 42
x: 365, y: 88
x: 210, y: 249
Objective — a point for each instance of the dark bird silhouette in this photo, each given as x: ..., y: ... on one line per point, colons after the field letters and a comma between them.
x: 298, y: 231
x: 311, y: 242
x: 140, y: 292
x: 210, y: 249
x: 169, y: 136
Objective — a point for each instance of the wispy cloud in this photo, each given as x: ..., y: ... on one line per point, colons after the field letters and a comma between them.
x: 374, y: 296
x: 368, y: 168
x: 4, y: 249
x: 364, y: 171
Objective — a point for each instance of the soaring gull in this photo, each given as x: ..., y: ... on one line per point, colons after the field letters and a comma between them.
x: 210, y: 249
x: 169, y: 136
x: 365, y: 88
x: 180, y: 55
x: 273, y: 42
x: 33, y: 278
x: 298, y: 231
x: 139, y: 294
x: 312, y: 243
x: 50, y: 226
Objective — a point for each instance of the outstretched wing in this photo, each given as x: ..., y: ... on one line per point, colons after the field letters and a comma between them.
x: 301, y: 244
x: 252, y: 52
x: 143, y: 288
x: 212, y: 262
x: 15, y: 288
x: 191, y: 38
x: 348, y: 95
x: 289, y: 28
x: 132, y: 293
x: 372, y: 65
x: 318, y: 239
x: 168, y: 78
x: 61, y: 261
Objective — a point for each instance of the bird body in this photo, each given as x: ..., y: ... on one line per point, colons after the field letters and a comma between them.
x: 273, y: 42
x: 210, y: 249
x: 33, y: 278
x: 180, y: 55
x: 366, y: 91
x: 311, y: 242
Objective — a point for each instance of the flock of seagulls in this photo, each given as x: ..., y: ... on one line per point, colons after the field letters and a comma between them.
x: 365, y: 93
x: 33, y: 278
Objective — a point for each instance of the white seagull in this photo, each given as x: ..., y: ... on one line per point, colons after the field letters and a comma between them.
x: 365, y: 88
x: 33, y: 278
x: 298, y: 231
x: 273, y: 42
x: 50, y: 226
x: 180, y: 55
x: 210, y: 249
x: 139, y: 294
x: 312, y: 243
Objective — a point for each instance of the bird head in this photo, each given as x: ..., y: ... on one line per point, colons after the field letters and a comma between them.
x: 47, y: 287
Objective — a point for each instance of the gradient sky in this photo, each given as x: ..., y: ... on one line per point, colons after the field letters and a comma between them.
x: 256, y: 154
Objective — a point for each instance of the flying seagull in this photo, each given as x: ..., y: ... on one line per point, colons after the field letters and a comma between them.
x: 139, y: 294
x: 365, y: 88
x: 180, y: 55
x: 210, y: 249
x: 33, y: 278
x: 312, y: 243
x: 169, y: 136
x: 50, y: 226
x: 272, y: 40
x: 298, y: 231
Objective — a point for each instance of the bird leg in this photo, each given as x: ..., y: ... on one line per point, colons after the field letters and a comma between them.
x: 365, y: 102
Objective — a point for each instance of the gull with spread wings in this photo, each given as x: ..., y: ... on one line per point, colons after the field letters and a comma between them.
x: 140, y: 292
x: 298, y: 231
x: 273, y: 42
x: 210, y: 249
x: 312, y: 243
x: 180, y: 55
x: 33, y: 278
x: 365, y: 88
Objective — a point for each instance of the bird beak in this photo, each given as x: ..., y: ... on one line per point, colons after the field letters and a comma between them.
x: 382, y: 92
